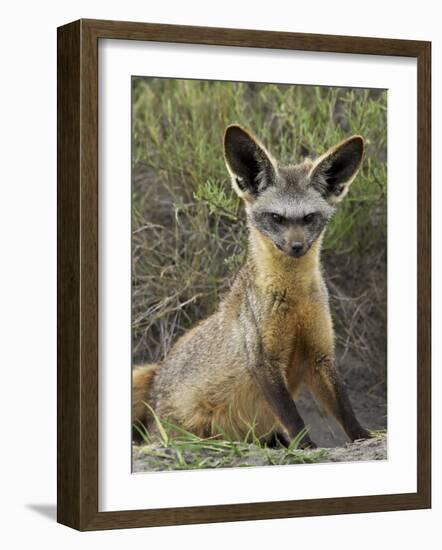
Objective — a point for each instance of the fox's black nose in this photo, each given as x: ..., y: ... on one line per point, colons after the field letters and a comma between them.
x: 297, y: 248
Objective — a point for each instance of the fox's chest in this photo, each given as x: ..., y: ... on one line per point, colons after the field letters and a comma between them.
x: 289, y: 321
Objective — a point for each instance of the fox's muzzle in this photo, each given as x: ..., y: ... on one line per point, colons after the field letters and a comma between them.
x: 294, y: 242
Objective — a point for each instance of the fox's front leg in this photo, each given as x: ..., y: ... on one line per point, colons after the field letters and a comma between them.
x: 328, y: 386
x: 324, y: 380
x: 270, y: 380
x: 265, y: 357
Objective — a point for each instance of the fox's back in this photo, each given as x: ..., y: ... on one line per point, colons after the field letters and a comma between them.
x: 204, y: 377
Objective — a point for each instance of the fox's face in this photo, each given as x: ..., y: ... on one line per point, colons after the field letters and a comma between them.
x: 290, y: 205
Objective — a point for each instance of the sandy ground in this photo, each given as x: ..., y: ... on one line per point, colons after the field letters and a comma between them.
x: 145, y: 457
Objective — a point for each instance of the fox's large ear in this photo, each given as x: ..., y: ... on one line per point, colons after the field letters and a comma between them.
x: 333, y: 172
x: 250, y: 166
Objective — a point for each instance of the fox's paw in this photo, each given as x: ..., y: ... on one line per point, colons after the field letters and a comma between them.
x: 361, y: 433
x: 307, y: 444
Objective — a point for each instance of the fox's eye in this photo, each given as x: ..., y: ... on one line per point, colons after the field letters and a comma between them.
x: 276, y: 217
x: 309, y: 217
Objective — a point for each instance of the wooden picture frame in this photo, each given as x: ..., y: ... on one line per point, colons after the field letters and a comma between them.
x: 77, y: 461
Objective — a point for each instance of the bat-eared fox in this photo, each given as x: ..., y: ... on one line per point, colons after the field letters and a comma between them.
x: 272, y: 333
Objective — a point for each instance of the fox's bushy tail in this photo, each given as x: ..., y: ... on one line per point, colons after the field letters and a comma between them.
x: 142, y: 377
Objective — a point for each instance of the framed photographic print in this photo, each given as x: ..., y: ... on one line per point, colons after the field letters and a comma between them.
x: 243, y: 274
